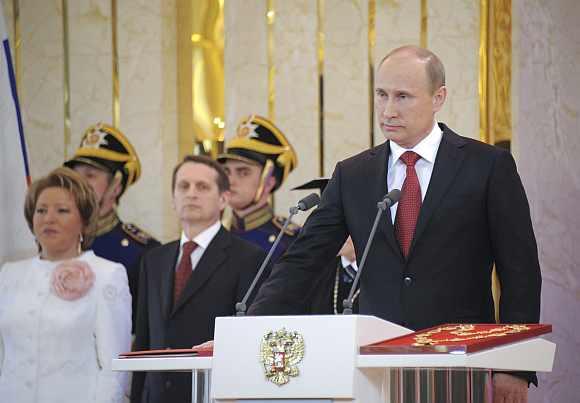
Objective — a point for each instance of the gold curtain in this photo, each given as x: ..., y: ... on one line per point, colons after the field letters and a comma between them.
x: 495, y: 61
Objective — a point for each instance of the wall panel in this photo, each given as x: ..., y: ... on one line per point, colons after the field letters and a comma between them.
x: 454, y: 36
x: 148, y: 95
x: 296, y: 91
x: 245, y: 59
x: 42, y: 84
x: 397, y: 24
x: 90, y: 52
x: 547, y: 145
x: 346, y: 80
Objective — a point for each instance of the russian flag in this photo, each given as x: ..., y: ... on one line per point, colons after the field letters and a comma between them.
x: 16, y: 241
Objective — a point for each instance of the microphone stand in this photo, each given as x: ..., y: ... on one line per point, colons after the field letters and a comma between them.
x: 347, y: 303
x: 241, y: 306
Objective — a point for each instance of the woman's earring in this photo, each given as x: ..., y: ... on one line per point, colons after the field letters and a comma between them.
x: 81, y: 239
x: 38, y: 245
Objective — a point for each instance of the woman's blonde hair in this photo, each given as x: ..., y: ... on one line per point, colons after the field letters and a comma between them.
x: 83, y: 196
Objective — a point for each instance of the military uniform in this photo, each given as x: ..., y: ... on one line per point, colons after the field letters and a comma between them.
x: 259, y: 141
x: 107, y: 149
x: 123, y: 243
x: 262, y: 227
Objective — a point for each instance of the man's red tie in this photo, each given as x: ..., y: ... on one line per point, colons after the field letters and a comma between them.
x: 183, y: 269
x: 409, y: 204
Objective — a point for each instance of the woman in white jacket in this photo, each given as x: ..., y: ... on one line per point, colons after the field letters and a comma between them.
x: 65, y: 314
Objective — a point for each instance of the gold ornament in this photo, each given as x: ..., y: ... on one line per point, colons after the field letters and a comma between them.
x: 466, y: 332
x: 247, y: 129
x: 95, y: 138
x: 280, y: 353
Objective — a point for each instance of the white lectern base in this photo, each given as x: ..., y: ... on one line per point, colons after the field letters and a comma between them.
x: 332, y: 370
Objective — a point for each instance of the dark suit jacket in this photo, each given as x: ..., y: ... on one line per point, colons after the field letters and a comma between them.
x: 475, y: 213
x: 219, y: 280
x: 332, y: 289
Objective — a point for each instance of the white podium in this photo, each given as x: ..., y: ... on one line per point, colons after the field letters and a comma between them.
x: 331, y: 368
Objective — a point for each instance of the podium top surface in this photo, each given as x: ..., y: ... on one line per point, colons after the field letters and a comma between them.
x: 457, y: 339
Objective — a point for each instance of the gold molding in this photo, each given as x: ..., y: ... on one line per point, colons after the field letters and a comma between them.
x: 320, y: 59
x: 494, y: 86
x: 495, y: 64
x: 185, y: 136
x: 500, y: 51
x: 200, y: 74
x: 424, y: 23
x: 372, y: 39
x: 66, y: 81
x: 115, y: 59
x: 483, y: 70
x: 270, y: 19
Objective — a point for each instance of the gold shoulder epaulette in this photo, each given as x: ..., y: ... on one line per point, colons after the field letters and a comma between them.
x: 137, y: 233
x: 291, y: 230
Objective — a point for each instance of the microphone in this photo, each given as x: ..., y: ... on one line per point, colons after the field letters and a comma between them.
x: 306, y: 203
x: 303, y: 205
x: 387, y: 202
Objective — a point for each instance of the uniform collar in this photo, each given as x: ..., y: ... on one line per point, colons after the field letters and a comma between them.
x: 253, y: 220
x: 107, y: 222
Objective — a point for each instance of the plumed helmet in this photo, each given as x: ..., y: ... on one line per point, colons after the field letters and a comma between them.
x: 258, y: 140
x: 106, y: 148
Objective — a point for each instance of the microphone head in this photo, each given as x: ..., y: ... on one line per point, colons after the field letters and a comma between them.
x: 308, y: 202
x: 392, y: 197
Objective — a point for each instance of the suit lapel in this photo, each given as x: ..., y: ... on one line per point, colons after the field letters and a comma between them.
x: 166, y: 267
x: 447, y: 163
x: 212, y: 258
x: 379, y: 163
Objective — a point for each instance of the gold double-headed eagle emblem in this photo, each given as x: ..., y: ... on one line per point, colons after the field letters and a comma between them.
x: 280, y: 352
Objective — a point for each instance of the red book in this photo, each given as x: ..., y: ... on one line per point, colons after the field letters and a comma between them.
x: 457, y: 338
x: 177, y: 352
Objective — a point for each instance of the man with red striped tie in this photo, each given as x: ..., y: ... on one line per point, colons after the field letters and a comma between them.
x: 462, y: 210
x: 185, y: 284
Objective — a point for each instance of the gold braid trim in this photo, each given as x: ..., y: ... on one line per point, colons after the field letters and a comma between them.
x: 107, y: 222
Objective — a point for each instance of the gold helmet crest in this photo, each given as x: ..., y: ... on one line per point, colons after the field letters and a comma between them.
x: 107, y: 148
x: 259, y: 141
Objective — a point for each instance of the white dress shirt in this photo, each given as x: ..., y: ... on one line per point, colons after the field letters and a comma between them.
x: 202, y: 240
x: 346, y: 262
x: 397, y: 170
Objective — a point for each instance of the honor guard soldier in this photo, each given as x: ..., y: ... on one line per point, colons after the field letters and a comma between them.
x: 110, y: 165
x: 258, y: 160
x: 337, y: 280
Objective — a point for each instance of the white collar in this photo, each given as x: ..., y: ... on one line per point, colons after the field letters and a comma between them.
x: 204, y: 237
x: 347, y: 262
x: 426, y: 148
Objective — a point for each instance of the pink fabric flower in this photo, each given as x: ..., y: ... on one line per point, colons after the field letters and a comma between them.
x: 72, y: 279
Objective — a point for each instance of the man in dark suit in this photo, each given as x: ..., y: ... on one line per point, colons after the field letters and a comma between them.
x: 462, y: 210
x: 335, y: 283
x: 186, y: 284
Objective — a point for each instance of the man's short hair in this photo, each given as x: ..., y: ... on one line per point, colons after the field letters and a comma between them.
x: 434, y: 66
x: 222, y: 180
x: 81, y: 192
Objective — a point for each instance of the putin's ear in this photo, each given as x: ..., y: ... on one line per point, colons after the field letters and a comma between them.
x: 439, y: 98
